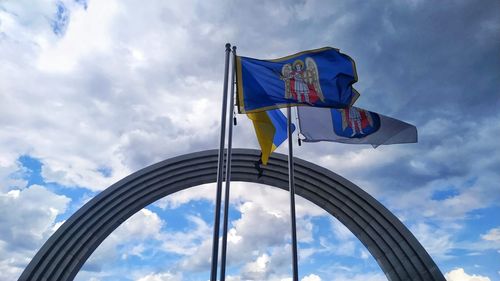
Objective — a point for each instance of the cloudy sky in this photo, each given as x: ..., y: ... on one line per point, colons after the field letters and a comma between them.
x: 91, y: 91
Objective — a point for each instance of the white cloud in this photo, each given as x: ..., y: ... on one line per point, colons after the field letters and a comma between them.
x: 492, y: 235
x: 258, y: 269
x: 202, y: 192
x: 11, y: 176
x: 476, y: 184
x: 340, y: 231
x: 311, y: 277
x: 260, y: 228
x: 27, y: 17
x: 371, y: 276
x: 28, y: 219
x: 186, y: 242
x: 261, y: 231
x: 31, y: 223
x: 435, y: 240
x: 133, y: 237
x: 89, y: 32
x: 165, y: 276
x: 263, y: 227
x: 143, y: 224
x: 102, y: 78
x: 254, y: 233
x: 264, y: 221
x: 364, y: 254
x: 489, y: 241
x: 273, y: 266
x: 200, y: 258
x: 459, y: 274
x: 271, y: 199
x: 343, y: 244
x: 342, y: 248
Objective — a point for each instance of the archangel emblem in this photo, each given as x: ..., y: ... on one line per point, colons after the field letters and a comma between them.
x: 302, y: 82
x: 357, y: 122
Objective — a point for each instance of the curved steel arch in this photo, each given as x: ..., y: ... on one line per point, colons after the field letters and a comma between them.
x: 396, y: 250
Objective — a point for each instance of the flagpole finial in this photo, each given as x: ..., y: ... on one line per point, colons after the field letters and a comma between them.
x: 228, y: 47
x: 234, y: 48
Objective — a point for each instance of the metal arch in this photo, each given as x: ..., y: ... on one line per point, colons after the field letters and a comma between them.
x: 396, y: 250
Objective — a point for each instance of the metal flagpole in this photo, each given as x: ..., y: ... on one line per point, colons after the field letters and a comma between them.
x: 215, y: 242
x: 291, y: 184
x: 228, y: 174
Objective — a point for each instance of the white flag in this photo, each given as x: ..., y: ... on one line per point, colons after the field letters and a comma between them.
x: 353, y: 125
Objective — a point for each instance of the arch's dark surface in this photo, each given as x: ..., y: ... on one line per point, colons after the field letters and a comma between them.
x: 396, y: 250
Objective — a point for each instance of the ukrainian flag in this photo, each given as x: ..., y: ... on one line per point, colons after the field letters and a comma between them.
x: 270, y: 128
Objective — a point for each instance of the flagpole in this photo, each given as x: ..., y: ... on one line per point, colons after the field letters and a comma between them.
x: 228, y: 174
x: 291, y: 184
x: 215, y: 242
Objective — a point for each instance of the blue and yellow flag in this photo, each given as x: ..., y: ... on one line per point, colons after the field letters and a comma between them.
x: 320, y: 78
x: 270, y: 128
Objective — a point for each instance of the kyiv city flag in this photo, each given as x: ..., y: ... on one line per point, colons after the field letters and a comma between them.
x: 321, y: 78
x: 270, y: 128
x: 353, y: 125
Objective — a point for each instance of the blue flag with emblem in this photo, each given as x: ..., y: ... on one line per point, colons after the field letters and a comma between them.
x: 270, y: 128
x: 319, y: 78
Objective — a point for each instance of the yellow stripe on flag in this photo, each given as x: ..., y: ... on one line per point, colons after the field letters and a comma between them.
x: 265, y: 130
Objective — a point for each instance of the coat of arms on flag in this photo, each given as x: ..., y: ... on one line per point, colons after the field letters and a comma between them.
x: 302, y: 81
x: 354, y: 122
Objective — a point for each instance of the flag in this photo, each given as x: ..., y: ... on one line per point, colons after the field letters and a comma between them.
x: 353, y: 125
x: 321, y: 78
x: 270, y: 128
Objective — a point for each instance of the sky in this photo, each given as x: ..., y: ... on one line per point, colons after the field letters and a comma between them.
x: 92, y: 91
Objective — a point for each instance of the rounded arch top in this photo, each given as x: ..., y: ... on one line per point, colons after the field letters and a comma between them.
x: 399, y: 254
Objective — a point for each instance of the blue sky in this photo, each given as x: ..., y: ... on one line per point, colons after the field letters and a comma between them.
x: 92, y: 91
